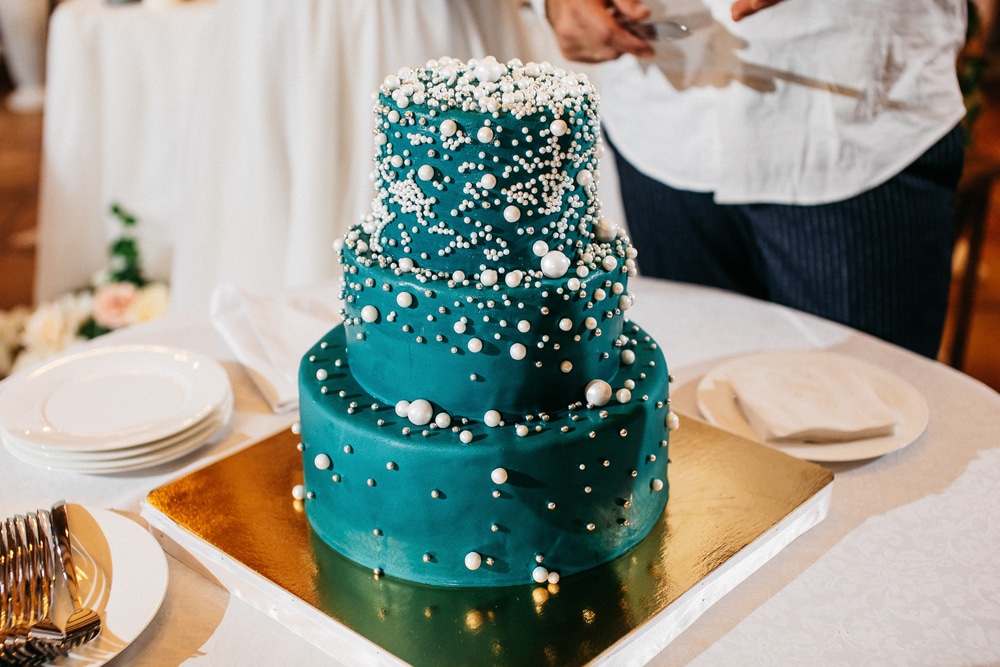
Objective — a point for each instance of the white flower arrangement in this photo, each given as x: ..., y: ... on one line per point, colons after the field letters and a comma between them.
x: 119, y: 297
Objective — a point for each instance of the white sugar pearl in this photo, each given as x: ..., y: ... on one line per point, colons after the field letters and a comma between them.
x: 573, y: 283
x: 605, y: 230
x: 517, y: 351
x: 499, y: 476
x: 524, y: 326
x: 489, y: 277
x: 656, y: 485
x: 488, y: 181
x: 403, y: 408
x: 458, y: 276
x: 555, y: 264
x: 391, y: 82
x: 473, y: 560
x: 425, y: 173
x: 465, y: 437
x: 298, y: 492
x: 484, y: 135
x: 321, y: 374
x: 420, y: 412
x: 396, y: 161
x: 369, y: 314
x: 513, y: 278
x: 673, y: 421
x: 565, y: 324
x: 625, y: 301
x: 598, y: 392
x: 512, y: 213
x: 443, y: 420
x: 539, y: 248
x: 558, y: 127
x: 448, y: 127
x: 322, y: 462
x: 459, y: 327
x: 521, y: 430
x: 623, y: 395
x: 404, y: 299
x: 381, y: 139
x: 540, y: 575
x: 610, y: 262
x: 590, y: 323
x: 405, y: 264
x: 566, y: 366
x: 475, y: 345
x: 628, y: 357
x: 553, y: 577
x: 492, y: 418
x: 585, y: 177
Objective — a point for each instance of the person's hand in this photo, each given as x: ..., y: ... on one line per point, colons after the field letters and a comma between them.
x: 743, y: 8
x: 592, y: 31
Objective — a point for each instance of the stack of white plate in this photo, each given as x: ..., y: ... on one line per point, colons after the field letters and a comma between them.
x: 115, y: 409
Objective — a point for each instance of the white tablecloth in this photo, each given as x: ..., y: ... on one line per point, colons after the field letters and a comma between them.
x: 904, y: 570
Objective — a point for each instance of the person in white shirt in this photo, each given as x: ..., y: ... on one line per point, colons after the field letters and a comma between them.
x: 807, y: 154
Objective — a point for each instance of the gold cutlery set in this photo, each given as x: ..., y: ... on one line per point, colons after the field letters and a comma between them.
x: 35, y: 551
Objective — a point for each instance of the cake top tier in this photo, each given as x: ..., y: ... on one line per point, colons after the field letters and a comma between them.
x: 484, y: 166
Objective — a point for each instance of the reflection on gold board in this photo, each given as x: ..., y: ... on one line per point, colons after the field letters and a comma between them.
x: 725, y: 492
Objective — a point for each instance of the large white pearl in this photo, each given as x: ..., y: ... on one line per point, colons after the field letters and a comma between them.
x: 492, y: 418
x: 610, y: 262
x: 540, y: 575
x: 555, y: 264
x: 425, y: 173
x: 484, y: 135
x: 598, y: 392
x: 512, y: 213
x: 322, y: 462
x: 402, y: 408
x: 673, y: 421
x: 517, y: 351
x: 539, y: 248
x: 442, y: 420
x: 605, y: 230
x: 489, y: 277
x: 448, y: 127
x: 475, y: 345
x: 513, y: 278
x: 585, y: 177
x: 558, y: 127
x: 404, y: 299
x: 405, y: 264
x: 369, y: 314
x: 473, y: 560
x: 488, y: 181
x: 499, y: 476
x: 420, y: 412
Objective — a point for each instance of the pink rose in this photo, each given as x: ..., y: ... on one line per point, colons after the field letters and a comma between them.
x: 113, y: 305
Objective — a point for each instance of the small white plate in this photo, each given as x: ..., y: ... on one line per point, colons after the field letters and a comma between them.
x: 718, y: 405
x: 122, y: 575
x: 112, y: 397
x: 127, y: 460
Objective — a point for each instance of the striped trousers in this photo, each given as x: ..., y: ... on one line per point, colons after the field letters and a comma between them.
x: 879, y: 262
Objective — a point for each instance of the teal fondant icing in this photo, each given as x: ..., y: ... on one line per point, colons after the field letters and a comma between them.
x: 581, y: 486
x: 485, y: 414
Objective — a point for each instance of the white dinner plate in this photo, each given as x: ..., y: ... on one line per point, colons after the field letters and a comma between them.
x: 112, y: 397
x: 122, y: 575
x: 117, y: 454
x: 204, y: 433
x: 718, y: 405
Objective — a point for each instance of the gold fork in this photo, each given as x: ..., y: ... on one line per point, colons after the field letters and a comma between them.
x: 83, y: 624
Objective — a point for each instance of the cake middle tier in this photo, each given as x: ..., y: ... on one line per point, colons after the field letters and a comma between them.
x: 516, y: 343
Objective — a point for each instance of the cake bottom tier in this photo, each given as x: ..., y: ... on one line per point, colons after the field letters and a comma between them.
x: 474, y: 505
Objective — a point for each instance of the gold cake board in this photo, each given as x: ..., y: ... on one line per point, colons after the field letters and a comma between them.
x: 733, y: 506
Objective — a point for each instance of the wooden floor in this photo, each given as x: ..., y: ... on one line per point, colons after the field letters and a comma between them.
x: 20, y: 148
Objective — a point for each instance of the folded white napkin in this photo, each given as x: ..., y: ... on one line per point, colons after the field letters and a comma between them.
x: 269, y: 333
x: 811, y: 397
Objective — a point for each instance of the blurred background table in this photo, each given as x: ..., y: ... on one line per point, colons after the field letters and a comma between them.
x: 120, y: 82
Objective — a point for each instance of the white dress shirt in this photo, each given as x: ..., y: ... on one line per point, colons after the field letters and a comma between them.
x: 802, y: 103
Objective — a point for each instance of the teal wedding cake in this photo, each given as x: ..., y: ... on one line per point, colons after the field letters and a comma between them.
x: 486, y: 414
